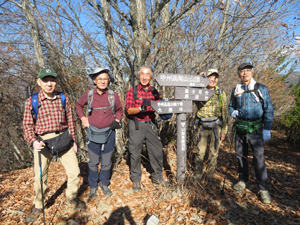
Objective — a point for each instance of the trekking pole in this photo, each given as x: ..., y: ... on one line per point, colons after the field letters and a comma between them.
x: 233, y: 136
x: 40, y: 163
x: 28, y: 91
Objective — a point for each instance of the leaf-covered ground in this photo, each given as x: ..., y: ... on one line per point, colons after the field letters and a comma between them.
x: 191, y: 203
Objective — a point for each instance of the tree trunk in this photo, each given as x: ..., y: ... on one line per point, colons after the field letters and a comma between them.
x: 34, y: 32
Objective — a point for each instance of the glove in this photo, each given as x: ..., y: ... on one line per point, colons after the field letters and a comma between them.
x: 266, y: 135
x: 143, y: 108
x: 115, y: 125
x: 235, y: 113
x: 146, y: 102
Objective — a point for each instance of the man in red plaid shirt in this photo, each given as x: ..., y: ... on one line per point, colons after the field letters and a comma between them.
x: 52, y: 120
x: 145, y: 129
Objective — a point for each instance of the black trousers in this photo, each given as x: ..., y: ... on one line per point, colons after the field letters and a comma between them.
x: 257, y: 145
x: 148, y: 132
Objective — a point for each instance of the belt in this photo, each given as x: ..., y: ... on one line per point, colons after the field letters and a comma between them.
x: 55, y: 132
x: 147, y: 121
x: 250, y: 120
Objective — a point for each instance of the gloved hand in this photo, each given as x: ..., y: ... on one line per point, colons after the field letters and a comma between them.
x: 115, y: 125
x: 235, y: 113
x: 143, y: 108
x: 266, y: 135
x: 146, y: 102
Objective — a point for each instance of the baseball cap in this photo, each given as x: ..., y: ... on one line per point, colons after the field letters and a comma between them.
x: 212, y: 71
x: 47, y: 72
x: 243, y: 65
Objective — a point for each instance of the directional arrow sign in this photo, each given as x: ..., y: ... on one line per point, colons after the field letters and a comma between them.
x: 183, y: 80
x: 195, y: 94
x: 165, y: 107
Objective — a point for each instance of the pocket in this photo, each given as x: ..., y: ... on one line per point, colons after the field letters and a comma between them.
x: 42, y: 118
x: 61, y: 116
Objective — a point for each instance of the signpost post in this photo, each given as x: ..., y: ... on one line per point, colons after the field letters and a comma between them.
x: 186, y: 89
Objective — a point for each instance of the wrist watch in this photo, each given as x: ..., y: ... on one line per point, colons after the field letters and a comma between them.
x: 140, y: 108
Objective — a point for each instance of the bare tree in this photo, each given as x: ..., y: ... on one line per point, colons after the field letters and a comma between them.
x: 73, y: 37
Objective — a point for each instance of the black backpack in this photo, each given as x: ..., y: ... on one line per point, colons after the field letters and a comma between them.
x: 255, y: 90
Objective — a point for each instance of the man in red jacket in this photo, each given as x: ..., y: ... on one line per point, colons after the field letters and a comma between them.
x: 144, y: 128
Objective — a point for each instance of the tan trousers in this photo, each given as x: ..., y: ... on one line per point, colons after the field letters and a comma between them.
x: 208, y: 137
x: 69, y: 161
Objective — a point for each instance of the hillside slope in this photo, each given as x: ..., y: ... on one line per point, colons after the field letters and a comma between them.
x: 195, y: 203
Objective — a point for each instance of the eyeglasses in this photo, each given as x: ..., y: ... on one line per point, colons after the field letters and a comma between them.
x: 246, y: 70
x: 48, y: 80
x: 102, y: 79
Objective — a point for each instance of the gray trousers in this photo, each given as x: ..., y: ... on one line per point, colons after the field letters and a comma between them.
x: 257, y: 145
x: 148, y: 132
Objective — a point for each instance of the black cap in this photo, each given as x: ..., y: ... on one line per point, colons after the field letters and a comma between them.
x: 243, y: 65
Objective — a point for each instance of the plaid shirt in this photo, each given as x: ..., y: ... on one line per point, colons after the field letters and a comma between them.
x: 249, y: 108
x: 141, y: 93
x: 51, y: 117
x: 212, y: 109
x: 100, y: 118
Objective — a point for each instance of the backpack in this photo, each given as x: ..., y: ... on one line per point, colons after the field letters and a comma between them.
x: 35, y: 104
x: 246, y: 127
x: 154, y: 92
x: 135, y: 90
x: 111, y: 99
x: 255, y: 90
x: 220, y: 97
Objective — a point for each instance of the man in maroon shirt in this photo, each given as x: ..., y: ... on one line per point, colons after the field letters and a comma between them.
x: 52, y: 119
x: 145, y: 129
x: 101, y: 124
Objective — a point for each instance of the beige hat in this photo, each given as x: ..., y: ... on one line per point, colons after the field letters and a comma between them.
x: 212, y: 71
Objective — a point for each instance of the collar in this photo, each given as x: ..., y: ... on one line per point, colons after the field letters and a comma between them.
x: 42, y: 95
x: 139, y: 87
x: 95, y: 91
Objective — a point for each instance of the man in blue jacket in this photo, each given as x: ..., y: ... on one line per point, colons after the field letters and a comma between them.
x: 252, y: 106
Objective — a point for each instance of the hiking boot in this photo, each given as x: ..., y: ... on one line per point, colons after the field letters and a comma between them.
x: 106, y: 191
x: 76, y: 203
x: 34, y: 215
x: 93, y: 193
x: 136, y: 186
x: 239, y: 186
x: 162, y: 183
x: 265, y: 196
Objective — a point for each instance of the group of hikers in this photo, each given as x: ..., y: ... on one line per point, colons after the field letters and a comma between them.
x: 49, y: 128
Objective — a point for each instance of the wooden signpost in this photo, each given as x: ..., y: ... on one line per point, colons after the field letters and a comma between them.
x: 187, y: 90
x: 195, y: 94
x: 173, y: 106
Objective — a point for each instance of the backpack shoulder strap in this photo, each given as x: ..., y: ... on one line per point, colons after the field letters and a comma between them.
x: 63, y: 99
x: 135, y: 92
x: 155, y: 93
x: 90, y: 100
x: 35, y: 105
x: 111, y: 99
x: 220, y: 97
x: 256, y: 91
